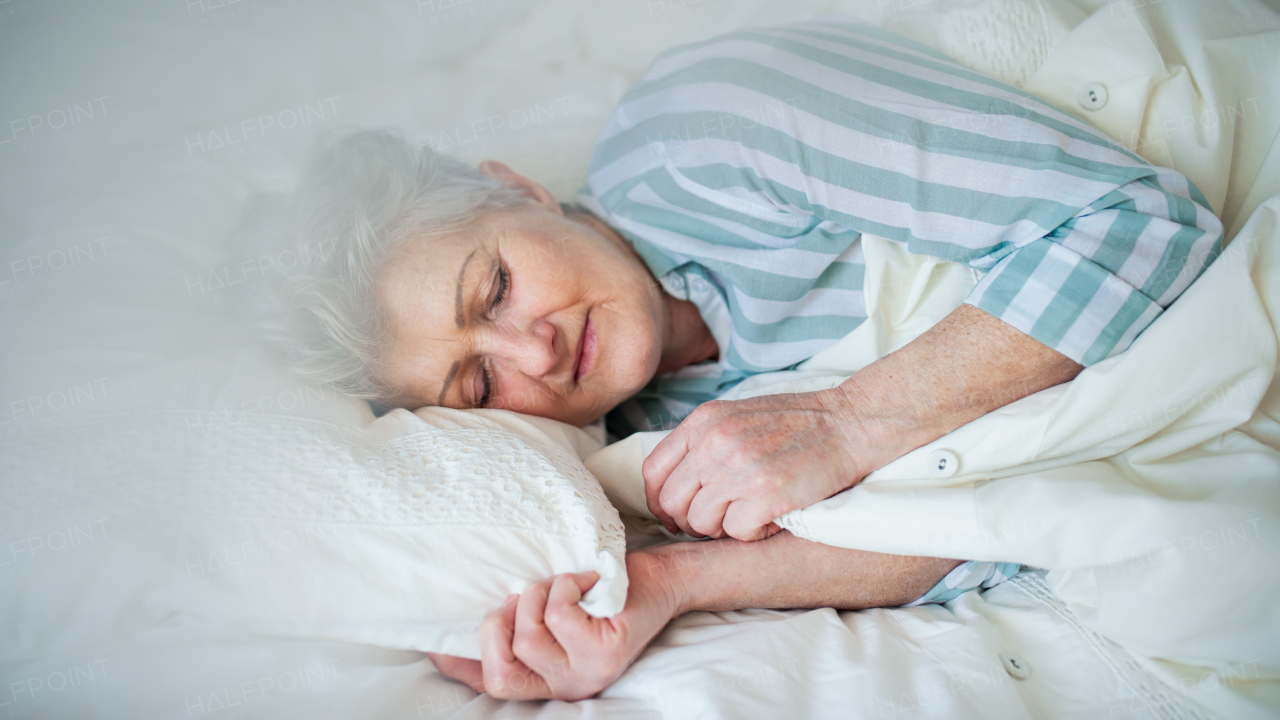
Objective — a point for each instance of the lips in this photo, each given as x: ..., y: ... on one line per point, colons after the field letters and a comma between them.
x: 585, y: 355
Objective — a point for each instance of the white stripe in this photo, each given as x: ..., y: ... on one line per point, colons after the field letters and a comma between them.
x: 936, y: 227
x: 750, y: 206
x: 819, y: 301
x: 750, y: 234
x: 778, y: 354
x: 740, y: 105
x: 762, y: 199
x: 1148, y: 250
x: 1191, y: 266
x: 1094, y: 318
x: 948, y: 79
x: 787, y: 261
x: 1147, y: 317
x: 1041, y: 287
x: 1091, y: 229
x: 900, y: 101
x: 640, y: 160
x: 1174, y: 182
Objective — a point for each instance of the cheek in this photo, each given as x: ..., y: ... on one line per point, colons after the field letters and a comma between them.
x: 530, y: 399
x: 632, y: 354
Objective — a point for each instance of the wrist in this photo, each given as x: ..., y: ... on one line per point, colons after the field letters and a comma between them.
x: 875, y: 431
x: 668, y: 575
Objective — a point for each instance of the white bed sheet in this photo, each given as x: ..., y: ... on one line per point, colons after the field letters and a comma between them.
x: 145, y: 194
x: 928, y: 662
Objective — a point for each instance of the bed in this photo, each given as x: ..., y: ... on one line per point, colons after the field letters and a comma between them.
x: 138, y: 133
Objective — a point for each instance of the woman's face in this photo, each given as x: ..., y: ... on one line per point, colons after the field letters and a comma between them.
x: 527, y: 310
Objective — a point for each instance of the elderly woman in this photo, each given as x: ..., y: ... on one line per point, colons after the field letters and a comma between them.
x: 718, y: 236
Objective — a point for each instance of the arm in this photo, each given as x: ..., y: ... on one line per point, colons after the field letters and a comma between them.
x: 544, y: 646
x: 1082, y: 242
x: 732, y: 467
x: 785, y: 572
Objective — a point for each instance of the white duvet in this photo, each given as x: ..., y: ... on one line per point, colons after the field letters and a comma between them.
x: 1150, y: 485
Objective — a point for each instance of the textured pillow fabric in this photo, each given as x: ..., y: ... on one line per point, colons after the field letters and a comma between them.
x: 404, y: 532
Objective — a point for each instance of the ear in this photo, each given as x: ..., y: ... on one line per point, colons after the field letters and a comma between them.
x: 536, y: 191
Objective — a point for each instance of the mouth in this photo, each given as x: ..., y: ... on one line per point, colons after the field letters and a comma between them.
x: 585, y: 356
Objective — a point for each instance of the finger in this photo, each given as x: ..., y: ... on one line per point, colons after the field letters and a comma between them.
x: 706, y: 512
x: 533, y: 643
x: 464, y: 670
x: 657, y: 468
x: 569, y: 623
x: 505, y: 677
x: 746, y: 520
x: 678, y: 493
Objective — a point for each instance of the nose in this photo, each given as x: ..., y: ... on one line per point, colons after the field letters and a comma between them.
x: 534, y: 349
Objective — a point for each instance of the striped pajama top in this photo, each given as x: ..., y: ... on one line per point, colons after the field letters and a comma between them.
x: 745, y: 168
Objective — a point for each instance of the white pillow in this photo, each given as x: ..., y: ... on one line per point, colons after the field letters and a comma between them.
x: 402, y: 533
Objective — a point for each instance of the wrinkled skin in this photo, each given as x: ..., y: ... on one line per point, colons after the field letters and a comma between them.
x: 541, y: 644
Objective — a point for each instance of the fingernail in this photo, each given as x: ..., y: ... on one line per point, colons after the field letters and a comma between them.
x: 510, y: 599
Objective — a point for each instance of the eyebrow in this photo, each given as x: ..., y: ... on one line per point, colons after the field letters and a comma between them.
x: 458, y: 316
x: 453, y: 371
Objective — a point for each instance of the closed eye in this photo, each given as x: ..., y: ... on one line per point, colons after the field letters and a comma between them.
x: 504, y: 285
x: 488, y: 386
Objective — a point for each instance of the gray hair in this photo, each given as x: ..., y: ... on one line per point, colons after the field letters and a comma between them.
x: 364, y: 197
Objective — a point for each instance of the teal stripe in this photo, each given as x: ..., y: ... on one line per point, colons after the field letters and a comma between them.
x: 1121, y: 239
x: 950, y: 67
x: 738, y: 361
x: 1067, y: 304
x: 665, y: 187
x: 800, y: 328
x: 920, y: 246
x: 1125, y: 317
x: 1000, y: 210
x: 1115, y: 198
x: 687, y: 224
x: 618, y: 193
x: 756, y: 283
x: 1176, y: 252
x: 694, y: 215
x: 930, y: 91
x: 811, y: 238
x: 1181, y: 210
x: 857, y: 115
x: 722, y: 176
x: 1021, y: 266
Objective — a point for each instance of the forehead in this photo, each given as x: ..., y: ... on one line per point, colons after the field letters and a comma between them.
x: 417, y: 285
x: 417, y: 290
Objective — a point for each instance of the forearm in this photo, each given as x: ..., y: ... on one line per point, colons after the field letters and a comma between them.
x: 964, y: 367
x: 783, y: 572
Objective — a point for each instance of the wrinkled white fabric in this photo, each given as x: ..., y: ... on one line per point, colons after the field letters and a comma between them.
x: 1151, y: 484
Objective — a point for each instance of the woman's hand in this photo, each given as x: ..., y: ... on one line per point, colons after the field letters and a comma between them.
x: 541, y: 645
x: 544, y: 645
x: 733, y: 466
